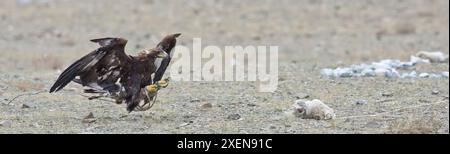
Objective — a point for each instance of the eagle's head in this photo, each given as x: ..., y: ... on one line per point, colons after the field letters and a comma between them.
x: 169, y: 42
x: 121, y: 41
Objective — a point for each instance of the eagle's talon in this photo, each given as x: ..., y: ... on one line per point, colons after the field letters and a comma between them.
x: 163, y: 83
x: 151, y: 88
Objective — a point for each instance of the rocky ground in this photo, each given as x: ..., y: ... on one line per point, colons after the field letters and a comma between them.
x: 38, y: 38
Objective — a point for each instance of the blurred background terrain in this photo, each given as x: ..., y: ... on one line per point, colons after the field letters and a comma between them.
x: 38, y: 38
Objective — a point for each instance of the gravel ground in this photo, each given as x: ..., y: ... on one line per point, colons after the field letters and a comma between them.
x: 38, y: 38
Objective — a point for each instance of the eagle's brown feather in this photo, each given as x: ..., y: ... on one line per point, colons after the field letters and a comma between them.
x: 108, y: 69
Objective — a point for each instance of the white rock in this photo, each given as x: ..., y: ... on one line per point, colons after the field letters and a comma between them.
x: 368, y: 72
x: 379, y: 65
x: 327, y: 72
x: 388, y: 67
x: 405, y: 65
x: 416, y: 60
x: 381, y: 71
x: 359, y: 68
x: 5, y: 123
x: 343, y: 72
x: 314, y: 109
x: 391, y: 63
x: 412, y: 74
x: 434, y: 57
x: 392, y: 74
x: 424, y: 75
x: 435, y: 75
x: 361, y: 102
x: 445, y: 74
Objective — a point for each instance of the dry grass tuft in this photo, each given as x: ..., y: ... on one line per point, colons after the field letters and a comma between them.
x: 415, y: 125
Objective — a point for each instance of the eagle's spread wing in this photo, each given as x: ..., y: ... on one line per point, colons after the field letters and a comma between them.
x: 104, y: 41
x: 99, y: 69
x: 167, y: 44
x: 161, y: 66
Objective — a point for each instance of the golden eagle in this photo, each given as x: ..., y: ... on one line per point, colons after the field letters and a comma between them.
x: 110, y: 70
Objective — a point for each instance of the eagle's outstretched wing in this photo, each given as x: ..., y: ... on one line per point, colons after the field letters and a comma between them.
x: 167, y: 44
x: 161, y: 66
x: 104, y: 41
x: 99, y: 69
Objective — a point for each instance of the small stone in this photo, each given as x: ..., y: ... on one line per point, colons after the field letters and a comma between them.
x: 435, y: 92
x: 361, y: 102
x: 123, y: 116
x: 194, y: 100
x: 206, y: 105
x: 373, y: 124
x: 25, y: 106
x: 5, y: 123
x: 89, y: 118
x: 387, y: 94
x: 35, y: 125
x: 189, y: 116
x: 273, y: 127
x: 183, y: 124
x: 234, y: 117
x: 251, y: 105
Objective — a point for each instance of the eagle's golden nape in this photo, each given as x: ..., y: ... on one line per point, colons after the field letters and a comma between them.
x: 110, y: 72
